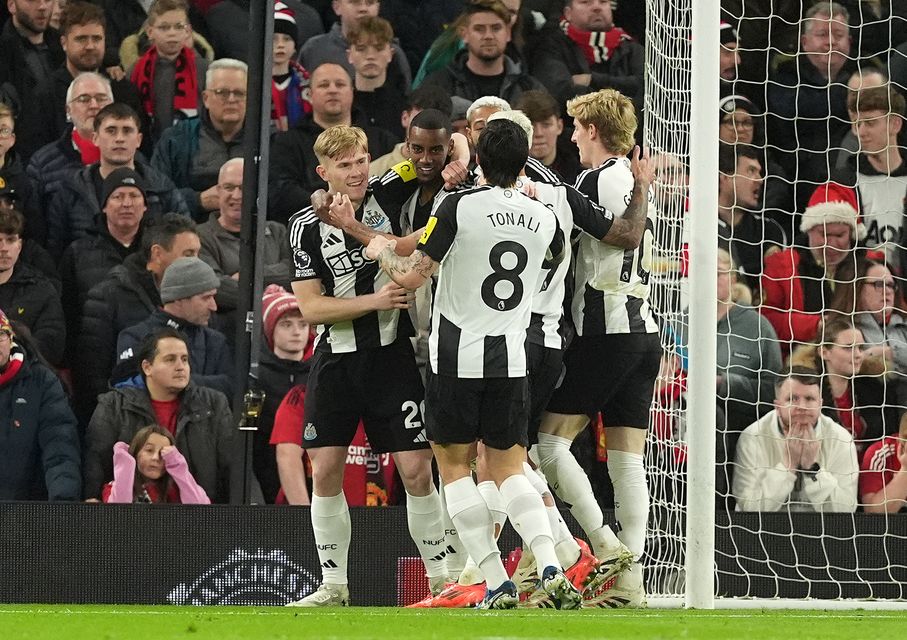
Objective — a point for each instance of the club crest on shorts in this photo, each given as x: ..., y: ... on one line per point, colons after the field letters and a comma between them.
x: 310, y: 433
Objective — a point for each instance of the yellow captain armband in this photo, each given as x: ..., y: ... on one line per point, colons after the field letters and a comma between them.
x: 429, y: 227
x: 406, y: 170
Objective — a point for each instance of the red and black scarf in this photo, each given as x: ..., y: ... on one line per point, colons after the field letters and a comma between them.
x: 88, y: 150
x: 16, y: 358
x: 185, y: 93
x: 597, y: 46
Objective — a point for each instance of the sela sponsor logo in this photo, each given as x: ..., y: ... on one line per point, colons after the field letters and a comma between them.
x: 347, y: 262
x: 264, y: 578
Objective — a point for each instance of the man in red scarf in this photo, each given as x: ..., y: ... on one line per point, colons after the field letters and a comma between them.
x: 583, y: 51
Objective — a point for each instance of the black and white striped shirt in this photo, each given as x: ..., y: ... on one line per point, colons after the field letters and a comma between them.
x: 611, y: 289
x: 492, y: 245
x: 325, y: 253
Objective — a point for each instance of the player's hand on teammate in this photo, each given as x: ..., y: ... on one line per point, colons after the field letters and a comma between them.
x: 454, y: 173
x: 377, y: 245
x: 527, y: 186
x: 321, y: 205
x: 642, y: 166
x: 392, y: 296
x: 342, y: 210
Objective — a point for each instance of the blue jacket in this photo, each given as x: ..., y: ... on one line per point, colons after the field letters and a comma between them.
x: 39, y: 441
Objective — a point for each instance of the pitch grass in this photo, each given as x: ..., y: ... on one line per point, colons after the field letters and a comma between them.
x: 108, y: 622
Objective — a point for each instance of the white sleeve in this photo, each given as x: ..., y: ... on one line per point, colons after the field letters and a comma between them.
x: 835, y: 486
x: 615, y: 187
x: 758, y: 487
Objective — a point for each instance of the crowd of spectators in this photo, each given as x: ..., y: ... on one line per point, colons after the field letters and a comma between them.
x: 121, y: 138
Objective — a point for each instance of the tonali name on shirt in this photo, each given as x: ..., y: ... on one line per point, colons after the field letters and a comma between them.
x: 500, y: 219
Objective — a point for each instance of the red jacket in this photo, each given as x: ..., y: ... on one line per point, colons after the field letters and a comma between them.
x: 783, y: 301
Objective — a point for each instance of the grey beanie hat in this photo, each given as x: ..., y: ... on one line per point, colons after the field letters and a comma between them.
x: 186, y: 277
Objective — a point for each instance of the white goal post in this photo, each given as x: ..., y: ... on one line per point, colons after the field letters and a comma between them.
x: 700, y: 554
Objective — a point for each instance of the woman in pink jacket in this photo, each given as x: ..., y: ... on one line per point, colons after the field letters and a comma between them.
x: 151, y: 469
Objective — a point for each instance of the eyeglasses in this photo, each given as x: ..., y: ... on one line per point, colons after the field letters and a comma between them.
x: 167, y: 28
x: 86, y: 98
x: 6, y: 132
x: 229, y: 94
x: 879, y: 285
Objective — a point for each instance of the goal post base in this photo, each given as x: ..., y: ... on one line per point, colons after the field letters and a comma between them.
x: 813, y: 604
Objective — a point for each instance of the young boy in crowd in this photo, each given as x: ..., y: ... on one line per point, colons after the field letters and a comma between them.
x: 290, y: 81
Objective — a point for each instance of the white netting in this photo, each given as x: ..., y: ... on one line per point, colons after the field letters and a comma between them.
x: 800, y: 136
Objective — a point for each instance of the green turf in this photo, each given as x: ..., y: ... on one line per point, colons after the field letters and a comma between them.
x: 226, y: 623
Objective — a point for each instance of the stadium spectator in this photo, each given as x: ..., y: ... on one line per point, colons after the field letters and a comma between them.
x: 192, y: 152
x: 88, y: 260
x: 293, y: 175
x: 32, y: 253
x: 550, y: 144
x: 418, y: 24
x: 289, y: 80
x: 151, y: 469
x: 879, y: 171
x: 136, y: 45
x: 584, y: 51
x: 361, y: 336
x: 221, y: 246
x: 794, y: 458
x: 187, y: 297
x: 748, y: 236
x: 283, y: 364
x: 740, y: 122
x: 198, y: 417
x: 170, y: 75
x: 228, y: 25
x: 379, y: 94
x: 82, y: 31
x: 73, y: 210
x: 29, y: 52
x: 807, y: 98
x: 333, y: 45
x: 53, y: 164
x: 418, y: 100
x: 728, y: 56
x: 30, y: 297
x: 14, y: 183
x: 873, y: 299
x: 797, y: 283
x: 864, y: 78
x: 128, y: 295
x: 883, y: 474
x: 41, y: 449
x: 482, y: 68
x: 853, y: 392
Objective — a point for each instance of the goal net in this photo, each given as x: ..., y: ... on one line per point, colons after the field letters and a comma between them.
x: 794, y: 85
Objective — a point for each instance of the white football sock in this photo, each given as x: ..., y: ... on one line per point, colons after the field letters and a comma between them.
x: 332, y: 528
x: 472, y: 519
x: 492, y: 498
x: 564, y: 543
x: 456, y: 555
x: 423, y: 515
x: 631, y: 498
x: 570, y: 482
x: 527, y: 515
x: 471, y: 574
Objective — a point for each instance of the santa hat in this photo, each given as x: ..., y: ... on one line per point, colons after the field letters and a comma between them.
x: 832, y: 202
x: 274, y: 304
x: 727, y: 33
x: 285, y: 21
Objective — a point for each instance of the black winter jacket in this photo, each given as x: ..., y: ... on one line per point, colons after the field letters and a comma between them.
x: 125, y: 298
x: 204, y: 435
x: 276, y: 377
x: 49, y: 167
x: 456, y: 81
x: 209, y: 356
x: 40, y: 452
x: 73, y: 211
x: 31, y: 298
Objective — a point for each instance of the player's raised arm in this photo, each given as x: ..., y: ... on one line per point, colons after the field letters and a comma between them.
x: 627, y: 230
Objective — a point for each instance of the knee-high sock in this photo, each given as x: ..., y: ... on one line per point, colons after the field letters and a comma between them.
x: 423, y: 515
x: 570, y: 482
x: 631, y: 498
x: 527, y: 515
x: 564, y: 543
x: 456, y: 554
x: 331, y: 524
x: 492, y: 498
x: 472, y: 519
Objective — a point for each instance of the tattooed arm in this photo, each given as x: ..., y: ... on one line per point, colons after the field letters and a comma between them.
x: 410, y: 272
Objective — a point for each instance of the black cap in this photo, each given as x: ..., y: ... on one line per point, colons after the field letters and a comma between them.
x: 122, y: 177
